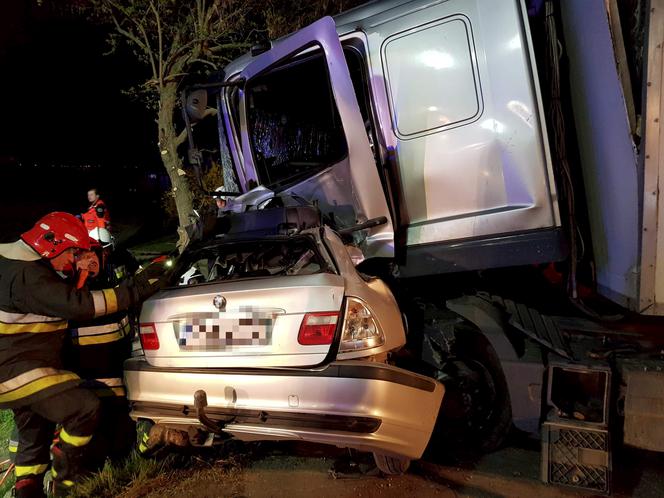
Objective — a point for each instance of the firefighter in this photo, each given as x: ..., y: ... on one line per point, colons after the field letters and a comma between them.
x: 35, y: 306
x: 97, y: 215
x: 97, y: 349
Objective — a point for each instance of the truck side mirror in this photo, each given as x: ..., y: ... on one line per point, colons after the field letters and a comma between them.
x: 196, y: 104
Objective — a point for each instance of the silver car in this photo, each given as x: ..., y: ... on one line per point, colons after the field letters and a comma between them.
x: 270, y: 333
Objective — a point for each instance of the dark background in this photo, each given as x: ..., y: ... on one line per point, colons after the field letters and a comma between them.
x: 66, y: 126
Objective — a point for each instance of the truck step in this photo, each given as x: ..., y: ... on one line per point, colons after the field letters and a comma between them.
x: 542, y: 329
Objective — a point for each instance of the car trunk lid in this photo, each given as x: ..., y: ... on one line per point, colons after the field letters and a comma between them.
x: 250, y: 323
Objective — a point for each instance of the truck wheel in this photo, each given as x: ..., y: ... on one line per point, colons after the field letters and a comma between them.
x: 476, y: 412
x: 390, y: 465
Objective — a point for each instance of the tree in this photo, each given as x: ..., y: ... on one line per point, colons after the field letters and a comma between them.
x: 285, y: 16
x: 174, y: 39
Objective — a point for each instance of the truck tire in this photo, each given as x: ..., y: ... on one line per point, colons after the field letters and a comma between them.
x: 390, y: 465
x: 475, y: 380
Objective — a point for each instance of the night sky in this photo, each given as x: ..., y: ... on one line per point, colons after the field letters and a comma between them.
x: 66, y: 126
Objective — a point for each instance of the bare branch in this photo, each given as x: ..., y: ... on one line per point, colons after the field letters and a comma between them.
x: 144, y: 44
x: 150, y: 54
x: 203, y: 61
x: 172, y: 77
x: 228, y: 46
x: 131, y: 36
x: 179, y: 55
x: 160, y: 42
x: 180, y: 139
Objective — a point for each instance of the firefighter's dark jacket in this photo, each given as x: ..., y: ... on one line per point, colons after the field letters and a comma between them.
x: 35, y: 306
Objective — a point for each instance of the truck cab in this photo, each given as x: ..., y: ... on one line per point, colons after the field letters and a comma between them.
x: 426, y: 113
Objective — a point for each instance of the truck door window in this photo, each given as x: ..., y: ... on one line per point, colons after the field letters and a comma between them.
x: 212, y: 142
x: 294, y: 125
x: 433, y: 80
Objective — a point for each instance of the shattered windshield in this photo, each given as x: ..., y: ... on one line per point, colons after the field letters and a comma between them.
x: 295, y: 128
x: 252, y: 259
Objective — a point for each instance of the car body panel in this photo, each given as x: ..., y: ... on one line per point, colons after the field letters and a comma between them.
x: 402, y: 404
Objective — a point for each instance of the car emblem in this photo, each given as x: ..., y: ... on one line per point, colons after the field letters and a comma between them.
x: 219, y: 302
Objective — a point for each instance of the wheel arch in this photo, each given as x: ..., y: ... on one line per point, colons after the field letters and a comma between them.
x: 524, y: 378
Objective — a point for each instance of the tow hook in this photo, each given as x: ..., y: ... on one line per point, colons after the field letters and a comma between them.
x: 200, y: 402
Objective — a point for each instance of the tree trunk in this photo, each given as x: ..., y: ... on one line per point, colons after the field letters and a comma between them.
x: 168, y: 145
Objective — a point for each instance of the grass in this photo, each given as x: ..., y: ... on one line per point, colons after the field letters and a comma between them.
x: 135, y: 470
x: 6, y: 427
x: 111, y: 480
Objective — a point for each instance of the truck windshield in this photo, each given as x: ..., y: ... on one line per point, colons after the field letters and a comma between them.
x: 294, y: 125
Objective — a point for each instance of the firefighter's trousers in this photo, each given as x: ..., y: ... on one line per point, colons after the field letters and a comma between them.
x: 76, y: 410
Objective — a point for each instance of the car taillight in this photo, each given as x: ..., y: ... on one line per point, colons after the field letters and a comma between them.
x: 360, y: 328
x: 149, y: 338
x: 318, y: 328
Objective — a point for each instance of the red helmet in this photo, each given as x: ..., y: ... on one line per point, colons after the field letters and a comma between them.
x: 55, y: 233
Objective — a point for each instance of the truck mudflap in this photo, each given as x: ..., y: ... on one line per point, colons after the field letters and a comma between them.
x: 357, y: 404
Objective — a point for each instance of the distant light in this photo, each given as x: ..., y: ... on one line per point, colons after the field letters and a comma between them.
x: 169, y: 263
x: 436, y: 59
x: 432, y: 108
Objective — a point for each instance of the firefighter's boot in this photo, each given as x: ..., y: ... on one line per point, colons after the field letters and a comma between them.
x: 30, y: 487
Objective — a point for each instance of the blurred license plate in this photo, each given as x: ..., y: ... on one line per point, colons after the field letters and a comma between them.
x: 224, y: 330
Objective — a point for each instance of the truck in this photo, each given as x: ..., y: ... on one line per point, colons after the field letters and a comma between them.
x: 496, y: 164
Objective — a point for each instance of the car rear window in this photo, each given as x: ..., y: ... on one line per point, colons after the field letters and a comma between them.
x: 249, y: 259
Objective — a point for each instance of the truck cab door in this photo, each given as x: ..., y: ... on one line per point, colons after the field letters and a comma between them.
x: 346, y: 187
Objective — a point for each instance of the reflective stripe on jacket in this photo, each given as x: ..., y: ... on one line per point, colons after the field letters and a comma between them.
x: 35, y: 307
x: 97, y: 353
x: 100, y: 334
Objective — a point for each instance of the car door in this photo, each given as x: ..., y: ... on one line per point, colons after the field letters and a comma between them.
x: 349, y: 188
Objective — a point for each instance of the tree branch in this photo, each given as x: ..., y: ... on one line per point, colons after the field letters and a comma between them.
x: 226, y: 46
x: 173, y: 77
x: 127, y: 34
x: 180, y: 139
x: 145, y: 44
x: 203, y: 61
x: 150, y: 54
x: 160, y: 42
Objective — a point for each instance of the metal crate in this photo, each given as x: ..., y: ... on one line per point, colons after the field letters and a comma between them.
x: 576, y: 456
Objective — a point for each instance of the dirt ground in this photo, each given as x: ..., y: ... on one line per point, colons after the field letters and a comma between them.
x: 311, y: 471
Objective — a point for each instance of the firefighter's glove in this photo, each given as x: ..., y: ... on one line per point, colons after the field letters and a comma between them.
x: 88, y: 261
x: 151, y: 278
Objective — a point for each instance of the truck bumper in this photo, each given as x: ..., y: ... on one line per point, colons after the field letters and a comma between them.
x: 356, y: 404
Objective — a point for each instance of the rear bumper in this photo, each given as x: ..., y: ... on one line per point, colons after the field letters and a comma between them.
x: 356, y: 404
